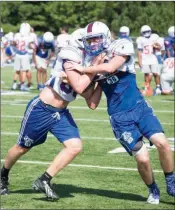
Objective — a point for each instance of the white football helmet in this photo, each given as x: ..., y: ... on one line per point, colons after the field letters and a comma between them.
x: 96, y: 30
x: 154, y: 37
x: 77, y: 38
x: 63, y: 40
x: 171, y: 31
x: 124, y: 31
x: 48, y: 37
x: 24, y: 29
x: 146, y: 31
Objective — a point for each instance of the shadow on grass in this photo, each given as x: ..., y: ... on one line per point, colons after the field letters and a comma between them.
x: 65, y: 190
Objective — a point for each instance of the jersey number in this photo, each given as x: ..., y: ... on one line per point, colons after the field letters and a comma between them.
x: 170, y: 63
x: 147, y: 50
x: 20, y: 45
x: 112, y: 80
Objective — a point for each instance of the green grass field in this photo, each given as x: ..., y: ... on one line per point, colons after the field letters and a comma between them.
x: 96, y: 179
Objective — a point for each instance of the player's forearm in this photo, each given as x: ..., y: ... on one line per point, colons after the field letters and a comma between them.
x: 101, y: 68
x: 94, y: 100
x: 83, y: 82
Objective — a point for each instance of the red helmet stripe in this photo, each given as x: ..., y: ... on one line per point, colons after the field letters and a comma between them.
x: 89, y: 28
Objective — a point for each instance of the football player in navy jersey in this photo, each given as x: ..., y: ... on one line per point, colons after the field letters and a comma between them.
x: 48, y: 113
x: 44, y: 51
x: 130, y: 115
x: 169, y: 43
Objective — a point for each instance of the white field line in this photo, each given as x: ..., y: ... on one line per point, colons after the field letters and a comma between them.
x: 171, y: 139
x: 9, y: 103
x: 28, y: 94
x: 81, y: 165
x: 78, y: 119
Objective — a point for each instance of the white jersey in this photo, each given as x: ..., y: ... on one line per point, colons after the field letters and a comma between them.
x: 168, y: 66
x: 64, y: 90
x: 146, y: 46
x: 63, y: 40
x: 4, y: 42
x: 35, y: 40
x: 160, y: 41
x: 22, y: 44
x: 123, y: 47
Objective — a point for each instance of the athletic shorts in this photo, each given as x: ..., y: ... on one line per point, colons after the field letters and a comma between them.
x: 40, y: 118
x: 129, y: 127
x: 167, y: 82
x: 22, y: 62
x: 41, y: 62
x: 154, y: 68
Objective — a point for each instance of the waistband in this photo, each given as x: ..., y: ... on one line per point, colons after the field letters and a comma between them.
x: 52, y: 108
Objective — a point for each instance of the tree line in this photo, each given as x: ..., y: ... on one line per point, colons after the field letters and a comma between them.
x: 50, y: 16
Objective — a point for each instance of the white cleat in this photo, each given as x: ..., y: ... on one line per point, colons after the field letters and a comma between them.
x: 14, y: 87
x: 152, y: 199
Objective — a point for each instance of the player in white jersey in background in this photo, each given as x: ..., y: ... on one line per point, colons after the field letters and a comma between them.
x: 147, y: 59
x: 167, y: 77
x: 22, y: 60
x: 48, y: 112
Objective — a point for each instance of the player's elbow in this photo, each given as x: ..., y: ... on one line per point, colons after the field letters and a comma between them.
x: 93, y: 107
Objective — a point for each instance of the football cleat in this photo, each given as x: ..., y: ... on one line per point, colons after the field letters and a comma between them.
x: 157, y: 91
x: 14, y: 86
x: 45, y: 187
x: 170, y: 181
x: 154, y: 196
x: 4, y: 186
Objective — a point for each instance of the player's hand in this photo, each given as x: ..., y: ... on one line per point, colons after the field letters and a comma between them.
x: 75, y: 66
x: 47, y: 62
x: 63, y: 77
x: 99, y: 59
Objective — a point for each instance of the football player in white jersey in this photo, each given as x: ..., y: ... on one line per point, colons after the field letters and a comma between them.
x: 167, y: 77
x: 147, y: 59
x: 48, y: 112
x: 130, y: 116
x: 22, y: 59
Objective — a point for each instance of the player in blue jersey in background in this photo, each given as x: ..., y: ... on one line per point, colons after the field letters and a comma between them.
x: 42, y: 55
x: 169, y: 43
x: 124, y: 33
x: 130, y: 115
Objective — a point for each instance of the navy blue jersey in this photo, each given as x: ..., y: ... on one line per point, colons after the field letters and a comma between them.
x: 169, y: 46
x: 121, y: 92
x: 43, y: 48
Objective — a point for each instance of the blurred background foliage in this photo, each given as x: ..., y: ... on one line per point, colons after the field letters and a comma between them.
x: 50, y: 16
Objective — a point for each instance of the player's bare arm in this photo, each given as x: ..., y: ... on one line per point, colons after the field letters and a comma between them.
x: 79, y: 82
x: 110, y: 67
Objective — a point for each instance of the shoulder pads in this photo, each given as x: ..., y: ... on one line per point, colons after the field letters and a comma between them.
x: 121, y: 47
x: 71, y: 53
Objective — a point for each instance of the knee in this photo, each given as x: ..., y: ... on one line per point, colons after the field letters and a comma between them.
x: 163, y: 146
x: 75, y: 148
x: 161, y: 142
x: 143, y: 161
x: 20, y: 150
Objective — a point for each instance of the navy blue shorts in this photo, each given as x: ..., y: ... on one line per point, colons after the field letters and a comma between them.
x: 40, y: 118
x: 129, y: 127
